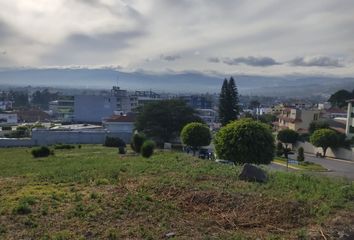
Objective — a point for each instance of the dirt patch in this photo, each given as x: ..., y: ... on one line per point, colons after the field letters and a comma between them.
x: 243, y: 211
x: 340, y: 226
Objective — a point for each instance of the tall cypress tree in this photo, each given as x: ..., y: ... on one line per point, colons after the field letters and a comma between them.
x: 223, y: 102
x: 228, y: 102
x: 233, y: 99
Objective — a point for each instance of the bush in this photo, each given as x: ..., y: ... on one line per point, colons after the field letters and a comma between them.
x: 245, y: 141
x: 148, y: 148
x: 114, y: 142
x: 137, y: 142
x: 64, y: 146
x: 121, y: 150
x: 41, y: 152
x: 300, y: 154
x: 195, y: 135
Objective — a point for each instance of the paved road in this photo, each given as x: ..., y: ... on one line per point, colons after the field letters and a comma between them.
x: 338, y: 168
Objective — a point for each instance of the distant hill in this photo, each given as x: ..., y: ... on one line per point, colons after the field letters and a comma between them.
x: 174, y: 82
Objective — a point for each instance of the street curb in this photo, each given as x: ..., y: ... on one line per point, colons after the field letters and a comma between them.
x: 295, y: 168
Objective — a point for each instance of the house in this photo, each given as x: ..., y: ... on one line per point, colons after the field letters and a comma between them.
x: 297, y: 119
x: 32, y: 115
x: 120, y: 123
x: 349, y: 129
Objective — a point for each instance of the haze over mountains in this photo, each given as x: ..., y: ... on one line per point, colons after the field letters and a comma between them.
x: 175, y: 82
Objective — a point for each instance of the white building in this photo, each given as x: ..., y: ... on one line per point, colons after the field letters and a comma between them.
x: 349, y: 129
x: 8, y: 118
x: 119, y: 123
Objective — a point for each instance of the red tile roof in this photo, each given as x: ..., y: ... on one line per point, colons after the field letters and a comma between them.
x: 121, y: 118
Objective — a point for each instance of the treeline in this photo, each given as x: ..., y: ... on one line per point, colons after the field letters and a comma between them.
x: 22, y: 99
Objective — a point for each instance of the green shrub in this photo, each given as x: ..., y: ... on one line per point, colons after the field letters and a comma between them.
x: 148, y: 148
x: 64, y: 146
x: 41, y: 152
x: 195, y: 135
x: 121, y: 150
x: 114, y: 142
x: 137, y: 142
x: 245, y: 141
x: 300, y: 154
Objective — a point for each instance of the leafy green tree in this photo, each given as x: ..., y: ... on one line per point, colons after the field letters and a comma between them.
x: 288, y: 136
x: 315, y: 125
x: 340, y: 97
x: 245, y: 141
x: 324, y: 138
x: 20, y: 98
x: 42, y: 98
x: 195, y: 135
x: 228, y: 102
x: 163, y: 120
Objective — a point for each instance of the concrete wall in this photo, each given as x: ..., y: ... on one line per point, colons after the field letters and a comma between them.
x: 340, y: 153
x: 48, y: 137
x: 13, y: 142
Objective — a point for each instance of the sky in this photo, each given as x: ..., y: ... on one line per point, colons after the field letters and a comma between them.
x: 268, y: 37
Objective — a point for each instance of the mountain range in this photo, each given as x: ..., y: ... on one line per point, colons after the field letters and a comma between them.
x: 175, y: 82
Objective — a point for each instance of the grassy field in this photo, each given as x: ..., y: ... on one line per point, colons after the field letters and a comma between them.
x: 93, y: 193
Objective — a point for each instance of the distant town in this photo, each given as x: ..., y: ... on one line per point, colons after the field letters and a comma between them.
x: 88, y: 116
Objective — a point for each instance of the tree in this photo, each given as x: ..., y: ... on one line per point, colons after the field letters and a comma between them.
x: 228, y: 102
x: 280, y: 149
x: 315, y: 125
x: 340, y: 97
x: 223, y: 103
x: 300, y: 154
x: 148, y: 148
x: 324, y: 138
x: 163, y: 120
x: 233, y: 98
x: 288, y: 136
x: 195, y: 135
x: 245, y: 141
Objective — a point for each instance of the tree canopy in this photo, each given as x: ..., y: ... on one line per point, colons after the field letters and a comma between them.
x: 245, y: 141
x: 324, y: 138
x: 196, y: 135
x: 163, y: 120
x: 287, y: 136
x: 228, y: 102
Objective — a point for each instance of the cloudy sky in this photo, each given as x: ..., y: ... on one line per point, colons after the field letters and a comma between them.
x: 271, y: 37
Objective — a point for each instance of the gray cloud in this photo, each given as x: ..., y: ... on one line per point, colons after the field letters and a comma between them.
x: 214, y: 60
x: 78, y: 46
x: 251, y: 61
x: 170, y: 57
x: 319, y: 61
